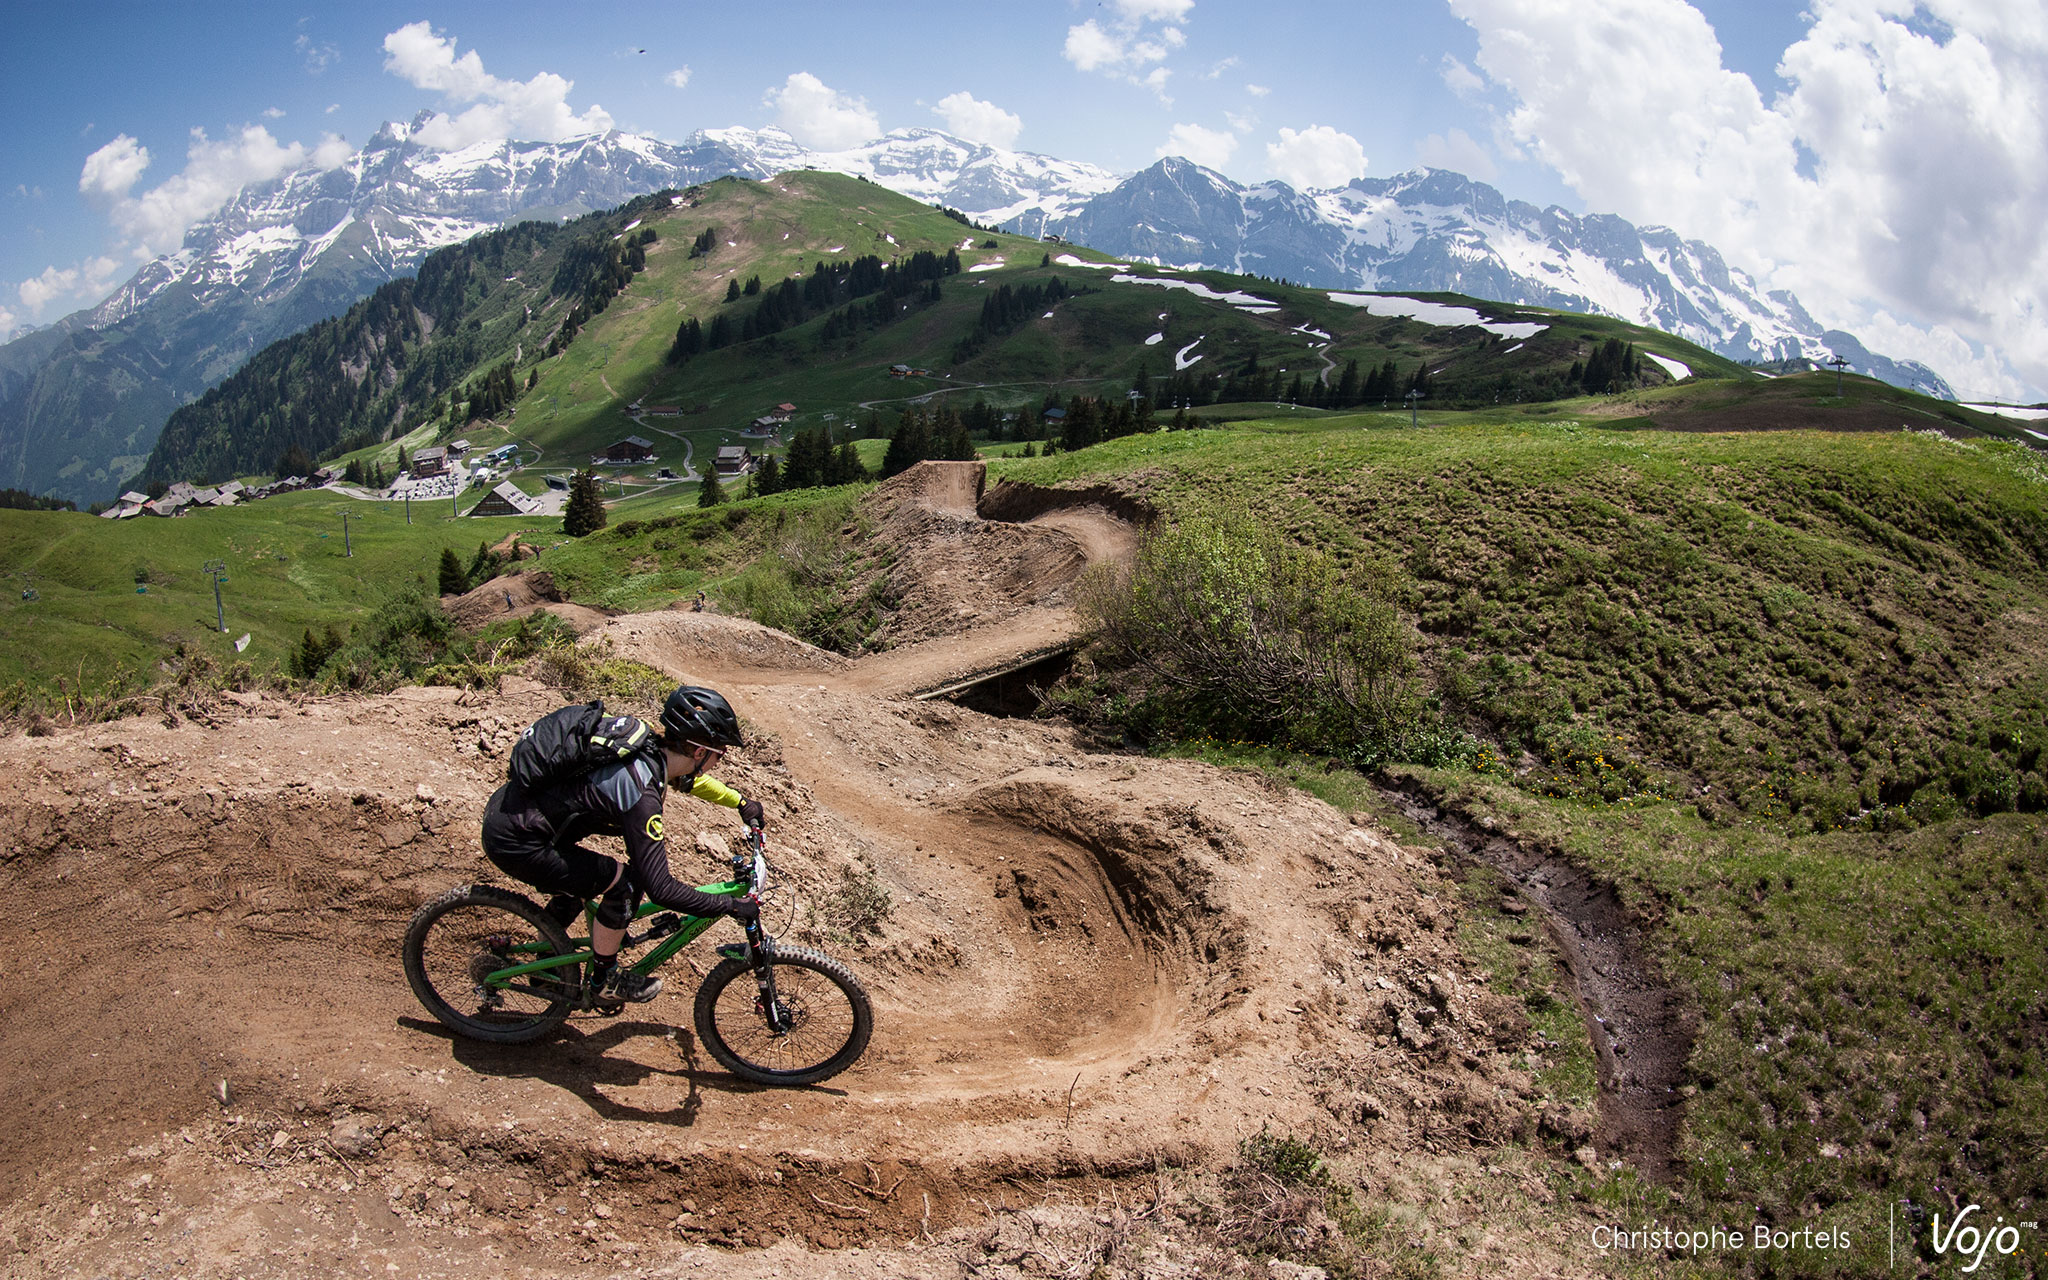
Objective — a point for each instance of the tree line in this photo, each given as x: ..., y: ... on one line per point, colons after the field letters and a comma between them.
x: 405, y: 355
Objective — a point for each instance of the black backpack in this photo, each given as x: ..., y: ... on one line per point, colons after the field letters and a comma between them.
x: 571, y: 742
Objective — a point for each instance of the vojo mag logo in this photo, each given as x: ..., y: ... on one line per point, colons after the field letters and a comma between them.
x: 1969, y: 1238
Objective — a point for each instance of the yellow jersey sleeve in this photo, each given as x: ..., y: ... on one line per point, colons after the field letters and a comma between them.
x: 706, y: 787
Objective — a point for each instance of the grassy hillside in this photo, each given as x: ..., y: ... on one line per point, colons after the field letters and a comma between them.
x: 286, y: 565
x: 1819, y: 628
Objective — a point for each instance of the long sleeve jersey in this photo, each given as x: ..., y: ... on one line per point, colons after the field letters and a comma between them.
x: 625, y: 800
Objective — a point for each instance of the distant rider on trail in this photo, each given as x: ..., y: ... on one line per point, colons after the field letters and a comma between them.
x: 532, y: 835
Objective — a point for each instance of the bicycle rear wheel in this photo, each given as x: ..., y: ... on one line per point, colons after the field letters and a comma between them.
x: 456, y: 941
x: 825, y: 1007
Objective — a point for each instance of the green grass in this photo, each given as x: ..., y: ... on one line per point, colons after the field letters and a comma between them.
x: 286, y: 566
x: 1807, y: 629
x: 1870, y: 1005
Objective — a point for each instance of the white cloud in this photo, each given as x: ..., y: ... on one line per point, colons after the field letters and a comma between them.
x: 156, y: 220
x: 677, y: 79
x: 1898, y: 174
x: 1458, y: 151
x: 536, y: 109
x: 273, y: 113
x: 978, y: 121
x: 333, y: 107
x: 1210, y: 148
x: 1462, y: 80
x: 38, y: 292
x: 1091, y: 48
x: 822, y: 117
x: 1137, y: 34
x: 69, y: 286
x: 1315, y: 158
x: 1154, y: 10
x: 1217, y: 70
x: 110, y: 171
x: 1257, y: 90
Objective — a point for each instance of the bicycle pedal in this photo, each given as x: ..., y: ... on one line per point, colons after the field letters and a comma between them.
x: 664, y: 924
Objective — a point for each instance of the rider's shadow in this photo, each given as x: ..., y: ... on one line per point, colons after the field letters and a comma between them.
x: 581, y: 1062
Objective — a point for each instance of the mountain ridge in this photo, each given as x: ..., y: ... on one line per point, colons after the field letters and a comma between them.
x: 83, y: 400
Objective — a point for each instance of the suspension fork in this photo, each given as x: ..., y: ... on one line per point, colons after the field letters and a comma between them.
x: 771, y: 1008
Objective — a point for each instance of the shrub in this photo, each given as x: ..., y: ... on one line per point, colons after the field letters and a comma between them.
x: 1237, y: 632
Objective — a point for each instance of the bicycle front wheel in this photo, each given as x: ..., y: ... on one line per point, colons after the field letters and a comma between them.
x: 822, y: 1006
x: 455, y: 944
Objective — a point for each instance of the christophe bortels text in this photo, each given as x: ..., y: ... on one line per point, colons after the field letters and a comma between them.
x: 1717, y: 1239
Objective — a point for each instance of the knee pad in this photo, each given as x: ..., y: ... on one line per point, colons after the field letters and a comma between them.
x: 615, y: 910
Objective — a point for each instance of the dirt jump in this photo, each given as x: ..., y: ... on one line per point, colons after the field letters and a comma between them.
x: 1086, y: 968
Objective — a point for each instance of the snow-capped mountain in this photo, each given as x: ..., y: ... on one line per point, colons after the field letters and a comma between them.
x: 81, y: 402
x: 1430, y: 229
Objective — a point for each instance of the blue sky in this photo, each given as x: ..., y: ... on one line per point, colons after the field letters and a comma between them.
x: 1759, y: 127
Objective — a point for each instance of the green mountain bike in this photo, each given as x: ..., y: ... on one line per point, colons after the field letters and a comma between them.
x: 490, y: 964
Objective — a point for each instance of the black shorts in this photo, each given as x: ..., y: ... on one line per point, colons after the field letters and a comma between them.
x: 519, y: 842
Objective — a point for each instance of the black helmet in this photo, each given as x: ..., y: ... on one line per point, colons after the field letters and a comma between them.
x: 696, y: 714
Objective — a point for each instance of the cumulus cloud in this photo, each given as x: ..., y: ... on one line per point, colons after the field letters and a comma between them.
x: 1457, y: 150
x: 273, y: 113
x: 1315, y: 158
x: 677, y: 79
x: 1136, y: 35
x: 1897, y: 175
x: 535, y: 110
x: 155, y: 221
x: 1091, y: 48
x: 114, y: 168
x: 819, y: 116
x: 90, y: 279
x: 978, y: 121
x: 1210, y: 148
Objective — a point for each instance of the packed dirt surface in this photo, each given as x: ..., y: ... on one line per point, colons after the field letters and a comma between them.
x: 1088, y: 970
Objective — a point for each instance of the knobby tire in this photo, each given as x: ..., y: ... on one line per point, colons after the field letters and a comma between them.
x: 468, y: 932
x: 830, y: 1009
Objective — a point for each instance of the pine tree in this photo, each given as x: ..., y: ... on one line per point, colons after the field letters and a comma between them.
x: 452, y: 580
x: 710, y: 492
x: 732, y: 290
x: 768, y: 478
x: 585, y: 513
x: 482, y: 567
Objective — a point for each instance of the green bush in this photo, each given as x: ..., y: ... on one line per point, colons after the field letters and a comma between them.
x: 1232, y: 631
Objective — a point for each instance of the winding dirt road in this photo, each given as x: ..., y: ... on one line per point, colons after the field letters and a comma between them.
x: 1090, y: 966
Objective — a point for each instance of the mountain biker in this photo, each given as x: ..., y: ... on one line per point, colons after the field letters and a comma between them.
x: 533, y: 836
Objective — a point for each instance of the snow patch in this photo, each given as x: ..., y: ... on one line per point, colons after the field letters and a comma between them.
x: 1069, y: 260
x: 629, y: 226
x: 837, y: 248
x: 1517, y: 347
x: 1181, y: 358
x: 1242, y: 301
x: 1311, y: 331
x: 2011, y: 411
x: 993, y: 265
x: 1046, y: 316
x: 968, y: 243
x: 2036, y: 434
x: 1155, y: 339
x: 1436, y: 313
x: 1678, y: 370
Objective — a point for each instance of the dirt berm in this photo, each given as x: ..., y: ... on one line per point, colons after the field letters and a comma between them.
x: 1091, y: 967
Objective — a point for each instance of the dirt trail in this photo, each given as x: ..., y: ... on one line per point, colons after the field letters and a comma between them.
x: 1091, y: 965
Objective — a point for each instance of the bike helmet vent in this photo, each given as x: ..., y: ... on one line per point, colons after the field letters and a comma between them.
x: 696, y: 714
